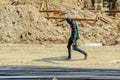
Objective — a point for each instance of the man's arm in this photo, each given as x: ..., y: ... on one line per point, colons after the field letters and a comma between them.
x: 74, y: 33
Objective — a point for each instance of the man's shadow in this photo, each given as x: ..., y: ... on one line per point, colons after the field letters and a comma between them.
x: 54, y: 59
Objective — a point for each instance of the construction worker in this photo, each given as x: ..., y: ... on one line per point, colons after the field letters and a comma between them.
x: 73, y: 38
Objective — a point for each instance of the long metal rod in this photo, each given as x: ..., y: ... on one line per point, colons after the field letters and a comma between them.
x: 77, y: 19
x: 51, y: 11
x: 47, y: 7
x: 113, y: 11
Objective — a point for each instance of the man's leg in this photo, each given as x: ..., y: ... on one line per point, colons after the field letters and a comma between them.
x: 69, y: 48
x: 75, y: 47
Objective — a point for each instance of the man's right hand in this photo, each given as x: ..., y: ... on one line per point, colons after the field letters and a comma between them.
x: 73, y: 43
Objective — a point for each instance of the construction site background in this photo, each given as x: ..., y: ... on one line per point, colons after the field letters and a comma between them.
x: 21, y: 22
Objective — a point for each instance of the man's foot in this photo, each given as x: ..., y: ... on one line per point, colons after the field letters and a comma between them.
x: 85, y: 56
x: 68, y: 58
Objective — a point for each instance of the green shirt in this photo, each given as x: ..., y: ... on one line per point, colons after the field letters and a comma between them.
x: 74, y: 32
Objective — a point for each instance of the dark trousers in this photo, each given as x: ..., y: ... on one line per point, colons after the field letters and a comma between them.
x: 75, y: 47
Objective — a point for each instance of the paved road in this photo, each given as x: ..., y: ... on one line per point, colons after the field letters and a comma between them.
x: 62, y: 73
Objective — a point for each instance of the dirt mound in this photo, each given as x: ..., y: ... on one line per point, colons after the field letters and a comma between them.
x: 104, y: 31
x: 24, y: 24
x: 21, y: 22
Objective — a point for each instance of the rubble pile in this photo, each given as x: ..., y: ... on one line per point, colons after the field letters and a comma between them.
x: 21, y: 22
x: 24, y: 24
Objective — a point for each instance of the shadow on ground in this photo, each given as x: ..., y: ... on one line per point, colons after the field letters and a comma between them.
x: 54, y: 59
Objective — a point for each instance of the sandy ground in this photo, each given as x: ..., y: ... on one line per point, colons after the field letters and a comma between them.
x: 54, y: 55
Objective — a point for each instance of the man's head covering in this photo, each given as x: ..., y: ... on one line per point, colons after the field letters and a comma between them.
x: 69, y: 20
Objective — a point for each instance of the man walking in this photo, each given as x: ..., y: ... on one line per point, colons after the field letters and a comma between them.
x: 73, y: 38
